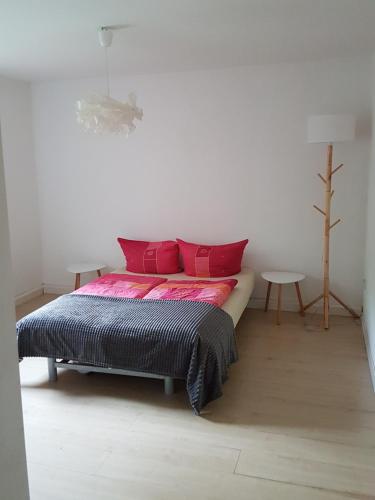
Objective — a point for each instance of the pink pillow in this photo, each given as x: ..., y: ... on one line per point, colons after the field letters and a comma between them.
x: 212, y: 260
x: 153, y: 257
x: 213, y: 292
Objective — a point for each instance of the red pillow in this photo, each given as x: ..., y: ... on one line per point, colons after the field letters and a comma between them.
x: 154, y: 257
x: 213, y: 261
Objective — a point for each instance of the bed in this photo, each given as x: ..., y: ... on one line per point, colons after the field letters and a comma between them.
x: 163, y: 339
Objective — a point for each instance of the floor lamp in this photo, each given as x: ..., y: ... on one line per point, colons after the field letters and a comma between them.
x: 329, y: 129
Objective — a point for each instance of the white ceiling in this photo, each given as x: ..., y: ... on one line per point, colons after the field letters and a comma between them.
x: 53, y: 39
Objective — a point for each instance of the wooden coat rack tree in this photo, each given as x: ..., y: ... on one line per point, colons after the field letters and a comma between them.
x: 329, y: 128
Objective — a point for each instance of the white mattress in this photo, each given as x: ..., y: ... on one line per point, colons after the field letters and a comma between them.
x: 237, y: 300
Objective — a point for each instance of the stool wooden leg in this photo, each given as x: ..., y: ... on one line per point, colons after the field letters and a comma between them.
x: 98, y: 272
x: 278, y: 305
x: 78, y: 281
x: 301, y: 308
x: 268, y: 296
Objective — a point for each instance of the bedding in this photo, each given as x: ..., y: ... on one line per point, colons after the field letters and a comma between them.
x: 212, y: 260
x: 237, y: 300
x: 181, y: 339
x: 157, y: 257
x: 120, y: 285
x: 215, y: 293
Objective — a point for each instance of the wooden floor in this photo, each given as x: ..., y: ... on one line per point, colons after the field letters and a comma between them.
x: 297, y: 421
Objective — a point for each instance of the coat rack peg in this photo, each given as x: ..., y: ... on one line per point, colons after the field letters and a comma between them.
x: 332, y: 192
x: 323, y: 179
x: 319, y: 210
x: 334, y: 224
x: 337, y: 168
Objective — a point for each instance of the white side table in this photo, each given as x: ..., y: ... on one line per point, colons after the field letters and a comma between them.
x: 283, y: 278
x: 84, y: 267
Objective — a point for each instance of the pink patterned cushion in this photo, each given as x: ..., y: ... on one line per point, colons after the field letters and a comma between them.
x: 213, y: 292
x: 215, y: 261
x: 120, y: 285
x: 154, y: 257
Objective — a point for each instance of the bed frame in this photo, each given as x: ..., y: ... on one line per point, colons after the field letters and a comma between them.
x: 53, y: 364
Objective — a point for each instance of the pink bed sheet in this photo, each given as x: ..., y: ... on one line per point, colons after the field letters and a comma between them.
x: 153, y: 288
x: 120, y: 285
x: 213, y: 292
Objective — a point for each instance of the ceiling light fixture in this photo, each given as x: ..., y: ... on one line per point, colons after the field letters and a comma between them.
x: 102, y: 113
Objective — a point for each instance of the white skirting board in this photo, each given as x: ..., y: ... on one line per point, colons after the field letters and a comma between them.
x: 370, y: 358
x: 26, y: 296
x: 57, y: 289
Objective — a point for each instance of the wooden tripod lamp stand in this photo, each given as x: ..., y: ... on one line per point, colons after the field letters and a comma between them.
x: 329, y: 129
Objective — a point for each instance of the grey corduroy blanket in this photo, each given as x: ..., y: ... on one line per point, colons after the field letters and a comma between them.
x: 194, y: 341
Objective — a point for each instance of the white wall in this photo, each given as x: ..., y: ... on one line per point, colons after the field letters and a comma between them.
x: 13, y: 476
x: 369, y: 293
x: 219, y: 156
x: 20, y: 178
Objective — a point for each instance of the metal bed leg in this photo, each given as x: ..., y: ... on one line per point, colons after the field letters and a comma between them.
x: 168, y: 386
x: 52, y: 370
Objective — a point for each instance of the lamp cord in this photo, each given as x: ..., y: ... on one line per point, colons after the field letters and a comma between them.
x: 106, y: 69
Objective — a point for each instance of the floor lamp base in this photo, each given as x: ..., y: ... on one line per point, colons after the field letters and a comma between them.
x: 338, y: 300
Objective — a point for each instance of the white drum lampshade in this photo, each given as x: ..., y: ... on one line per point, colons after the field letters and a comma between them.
x: 330, y: 128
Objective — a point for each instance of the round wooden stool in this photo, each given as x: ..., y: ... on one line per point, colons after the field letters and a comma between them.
x: 283, y: 278
x: 84, y: 267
